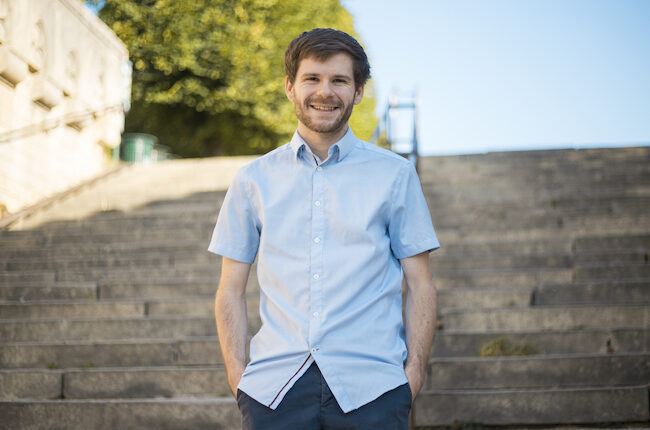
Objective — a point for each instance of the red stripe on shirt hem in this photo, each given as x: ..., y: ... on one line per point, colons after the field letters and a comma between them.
x: 287, y: 383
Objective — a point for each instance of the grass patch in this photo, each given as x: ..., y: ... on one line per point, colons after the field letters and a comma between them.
x: 504, y: 347
x: 52, y: 366
x: 87, y: 366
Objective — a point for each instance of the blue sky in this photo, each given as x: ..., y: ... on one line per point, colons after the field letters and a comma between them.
x: 512, y: 74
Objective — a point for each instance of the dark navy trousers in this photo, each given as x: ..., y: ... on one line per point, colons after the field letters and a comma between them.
x: 310, y: 405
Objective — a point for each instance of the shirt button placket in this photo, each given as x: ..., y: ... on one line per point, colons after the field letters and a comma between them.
x: 317, y: 229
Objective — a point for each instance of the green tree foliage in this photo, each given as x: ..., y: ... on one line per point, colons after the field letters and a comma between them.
x: 208, y: 75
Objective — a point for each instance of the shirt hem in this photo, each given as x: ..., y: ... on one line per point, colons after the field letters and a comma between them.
x: 232, y: 254
x: 410, y: 251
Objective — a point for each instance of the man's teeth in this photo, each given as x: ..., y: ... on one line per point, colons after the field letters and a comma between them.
x: 325, y: 108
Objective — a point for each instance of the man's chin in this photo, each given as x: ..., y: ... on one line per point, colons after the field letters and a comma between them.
x: 328, y: 128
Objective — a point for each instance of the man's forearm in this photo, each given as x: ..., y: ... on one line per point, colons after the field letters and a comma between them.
x: 420, y: 317
x: 231, y: 319
x: 421, y: 304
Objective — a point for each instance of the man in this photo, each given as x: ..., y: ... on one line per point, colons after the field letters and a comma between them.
x: 334, y: 222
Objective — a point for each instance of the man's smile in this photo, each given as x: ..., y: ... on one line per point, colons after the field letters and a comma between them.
x: 323, y: 108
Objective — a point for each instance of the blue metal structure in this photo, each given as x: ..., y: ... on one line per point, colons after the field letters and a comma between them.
x: 386, y: 131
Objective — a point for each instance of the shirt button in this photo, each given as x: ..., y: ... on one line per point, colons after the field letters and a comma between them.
x: 317, y: 239
x: 319, y: 168
x: 316, y: 276
x: 317, y: 203
x: 315, y: 314
x: 314, y: 349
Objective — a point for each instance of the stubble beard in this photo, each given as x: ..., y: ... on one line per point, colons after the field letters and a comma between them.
x: 304, y: 118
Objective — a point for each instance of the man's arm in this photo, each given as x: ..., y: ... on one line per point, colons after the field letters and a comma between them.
x: 231, y: 318
x: 420, y: 317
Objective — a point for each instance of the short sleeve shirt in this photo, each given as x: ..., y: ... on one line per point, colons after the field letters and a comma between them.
x: 328, y: 237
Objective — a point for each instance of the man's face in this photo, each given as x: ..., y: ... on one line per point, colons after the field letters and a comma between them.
x: 323, y: 93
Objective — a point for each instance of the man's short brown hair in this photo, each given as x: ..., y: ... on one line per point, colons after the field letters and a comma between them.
x: 321, y: 44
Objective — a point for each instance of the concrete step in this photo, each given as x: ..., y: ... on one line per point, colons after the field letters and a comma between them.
x: 182, y: 306
x: 119, y: 248
x: 497, y: 248
x: 48, y: 291
x: 535, y: 175
x: 199, y: 306
x: 448, y: 195
x: 106, y: 328
x: 504, y: 192
x: 494, y: 278
x: 112, y: 219
x: 161, y: 209
x: 508, y: 262
x: 547, y: 318
x: 588, y: 160
x: 55, y: 309
x: 613, y: 272
x: 162, y: 274
x: 114, y: 383
x: 7, y: 278
x: 30, y: 384
x: 160, y: 414
x: 542, y: 182
x: 480, y: 298
x: 543, y: 159
x: 143, y: 227
x: 160, y: 258
x: 595, y: 292
x: 538, y: 372
x: 146, y: 382
x: 560, y: 224
x: 638, y: 242
x: 615, y: 257
x: 45, y: 354
x: 36, y: 238
x: 22, y: 250
x: 170, y: 287
x: 602, y: 405
x: 160, y: 289
x: 524, y: 210
x: 609, y: 227
x: 549, y: 221
x: 454, y: 343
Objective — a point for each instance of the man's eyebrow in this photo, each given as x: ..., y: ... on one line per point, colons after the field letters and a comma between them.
x: 315, y: 74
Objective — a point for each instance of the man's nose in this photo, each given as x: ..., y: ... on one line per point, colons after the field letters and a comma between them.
x: 325, y: 88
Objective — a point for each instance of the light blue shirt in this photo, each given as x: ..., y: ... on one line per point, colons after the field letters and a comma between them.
x: 328, y: 237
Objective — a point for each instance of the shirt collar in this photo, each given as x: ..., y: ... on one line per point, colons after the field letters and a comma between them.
x: 342, y: 147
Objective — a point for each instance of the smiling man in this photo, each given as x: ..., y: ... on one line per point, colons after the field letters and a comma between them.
x: 335, y: 224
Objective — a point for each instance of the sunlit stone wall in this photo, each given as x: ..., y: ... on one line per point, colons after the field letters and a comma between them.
x: 63, y: 80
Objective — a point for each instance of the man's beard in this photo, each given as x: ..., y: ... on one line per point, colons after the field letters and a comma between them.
x: 303, y: 117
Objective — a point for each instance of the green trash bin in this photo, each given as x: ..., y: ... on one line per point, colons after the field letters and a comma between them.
x: 137, y: 147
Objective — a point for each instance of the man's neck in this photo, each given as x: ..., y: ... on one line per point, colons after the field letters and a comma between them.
x: 320, y: 143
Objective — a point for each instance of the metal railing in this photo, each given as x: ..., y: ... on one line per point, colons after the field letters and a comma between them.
x: 385, y: 133
x: 51, y: 124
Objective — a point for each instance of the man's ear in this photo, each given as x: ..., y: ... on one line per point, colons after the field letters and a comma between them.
x: 358, y: 94
x: 288, y: 88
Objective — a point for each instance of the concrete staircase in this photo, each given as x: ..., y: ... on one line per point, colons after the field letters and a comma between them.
x: 544, y: 288
x: 106, y: 299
